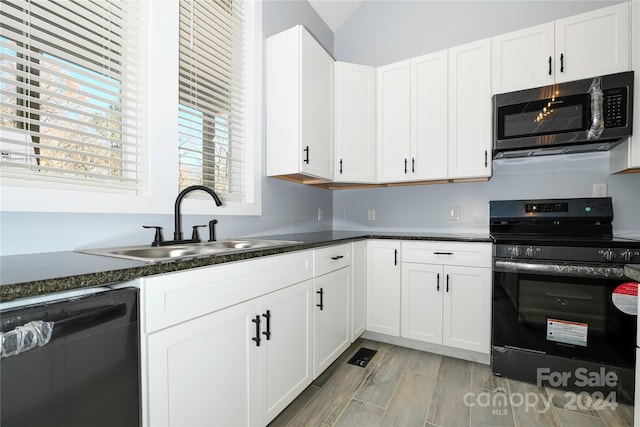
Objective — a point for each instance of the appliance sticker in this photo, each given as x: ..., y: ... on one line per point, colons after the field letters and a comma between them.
x: 564, y: 331
x: 625, y: 298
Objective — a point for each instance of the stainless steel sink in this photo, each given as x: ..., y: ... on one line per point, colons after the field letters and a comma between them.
x: 247, y: 244
x: 173, y: 252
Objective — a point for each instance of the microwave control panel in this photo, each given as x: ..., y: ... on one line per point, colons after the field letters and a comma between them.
x: 615, y: 111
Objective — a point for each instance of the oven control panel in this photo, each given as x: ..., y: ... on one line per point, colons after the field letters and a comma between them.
x: 564, y: 253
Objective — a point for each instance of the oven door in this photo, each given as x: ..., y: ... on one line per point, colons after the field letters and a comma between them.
x: 570, y: 311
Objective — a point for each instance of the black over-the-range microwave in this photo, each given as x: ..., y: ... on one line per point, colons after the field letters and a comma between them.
x: 584, y: 115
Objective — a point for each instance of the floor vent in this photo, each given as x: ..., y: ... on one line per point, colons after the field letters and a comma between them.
x: 362, y: 357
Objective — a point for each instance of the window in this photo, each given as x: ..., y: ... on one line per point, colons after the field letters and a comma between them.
x: 212, y: 96
x: 68, y: 93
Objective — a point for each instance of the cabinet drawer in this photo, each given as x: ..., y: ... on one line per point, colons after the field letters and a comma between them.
x: 448, y: 253
x: 331, y: 258
x: 173, y: 298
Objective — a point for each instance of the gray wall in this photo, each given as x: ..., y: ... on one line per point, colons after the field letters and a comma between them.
x: 286, y: 207
x: 381, y: 32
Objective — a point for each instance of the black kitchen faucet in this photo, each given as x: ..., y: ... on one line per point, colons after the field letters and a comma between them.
x: 177, y: 233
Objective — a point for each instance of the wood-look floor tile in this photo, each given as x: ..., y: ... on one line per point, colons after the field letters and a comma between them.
x: 410, y: 402
x: 447, y: 405
x: 386, y: 371
x: 490, y: 408
x: 621, y: 416
x: 344, y: 358
x: 358, y: 413
x: 571, y: 401
x: 422, y: 362
x: 574, y: 419
x: 296, y: 406
x: 332, y: 399
x: 531, y: 405
x: 482, y: 377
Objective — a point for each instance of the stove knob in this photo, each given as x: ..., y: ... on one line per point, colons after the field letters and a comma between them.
x: 513, y: 251
x: 608, y: 255
x: 530, y: 252
x: 626, y: 255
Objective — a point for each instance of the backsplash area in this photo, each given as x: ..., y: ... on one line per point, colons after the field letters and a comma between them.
x: 427, y: 208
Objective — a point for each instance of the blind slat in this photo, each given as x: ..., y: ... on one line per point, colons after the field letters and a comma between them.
x: 69, y: 79
x: 211, y: 96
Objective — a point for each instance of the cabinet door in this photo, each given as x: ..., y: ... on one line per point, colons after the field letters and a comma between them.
x: 421, y: 309
x: 467, y: 308
x: 593, y: 43
x: 358, y: 289
x: 429, y: 117
x: 331, y: 317
x: 355, y: 123
x: 523, y: 59
x: 286, y: 359
x: 394, y: 120
x: 383, y: 287
x: 204, y: 371
x: 470, y: 110
x: 316, y: 127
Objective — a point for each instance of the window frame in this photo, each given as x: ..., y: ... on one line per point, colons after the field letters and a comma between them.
x: 159, y: 118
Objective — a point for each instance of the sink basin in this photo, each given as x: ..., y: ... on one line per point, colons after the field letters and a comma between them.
x: 173, y: 252
x: 247, y: 244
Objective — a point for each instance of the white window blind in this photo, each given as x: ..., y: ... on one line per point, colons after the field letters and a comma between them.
x: 69, y: 92
x: 212, y: 96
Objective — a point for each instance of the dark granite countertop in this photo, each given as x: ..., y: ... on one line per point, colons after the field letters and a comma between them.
x: 632, y: 271
x: 29, y: 275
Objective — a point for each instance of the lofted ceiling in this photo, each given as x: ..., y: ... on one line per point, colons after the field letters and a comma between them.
x: 335, y: 12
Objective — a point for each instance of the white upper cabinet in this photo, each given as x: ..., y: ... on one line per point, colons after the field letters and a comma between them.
x: 470, y: 139
x: 590, y: 44
x: 593, y: 43
x: 355, y: 121
x: 429, y: 117
x: 625, y: 157
x: 394, y: 121
x: 300, y: 79
x: 412, y: 119
x: 523, y: 59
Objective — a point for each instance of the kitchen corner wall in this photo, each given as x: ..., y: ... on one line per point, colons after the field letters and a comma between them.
x: 382, y: 32
x: 286, y: 207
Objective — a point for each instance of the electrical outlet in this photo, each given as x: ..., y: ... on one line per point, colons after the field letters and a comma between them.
x: 454, y: 214
x: 320, y: 214
x: 599, y: 190
x: 371, y: 214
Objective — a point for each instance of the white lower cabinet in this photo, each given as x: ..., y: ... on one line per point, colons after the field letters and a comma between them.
x: 332, y: 286
x: 447, y: 304
x: 383, y: 287
x: 358, y: 289
x: 286, y: 359
x: 239, y: 366
x: 227, y: 345
x: 205, y: 371
x: 331, y: 318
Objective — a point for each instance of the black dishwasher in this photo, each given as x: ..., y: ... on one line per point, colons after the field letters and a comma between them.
x: 71, y: 363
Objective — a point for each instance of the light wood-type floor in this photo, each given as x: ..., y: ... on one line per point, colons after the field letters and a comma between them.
x: 405, y: 387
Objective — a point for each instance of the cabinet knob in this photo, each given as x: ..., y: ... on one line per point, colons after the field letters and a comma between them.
x: 562, y: 62
x: 549, y: 65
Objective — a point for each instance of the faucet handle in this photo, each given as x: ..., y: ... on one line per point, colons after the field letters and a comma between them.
x: 212, y: 230
x: 157, y: 239
x: 194, y: 234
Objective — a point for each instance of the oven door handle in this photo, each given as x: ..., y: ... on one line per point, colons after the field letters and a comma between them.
x: 560, y: 269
